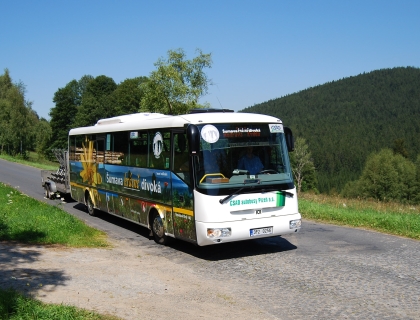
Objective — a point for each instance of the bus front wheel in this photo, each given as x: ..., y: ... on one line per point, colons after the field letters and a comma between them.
x: 158, y: 229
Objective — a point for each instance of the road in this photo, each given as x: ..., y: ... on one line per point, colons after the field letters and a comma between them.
x: 323, y: 272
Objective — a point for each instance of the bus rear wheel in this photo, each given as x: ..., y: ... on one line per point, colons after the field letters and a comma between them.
x: 89, y: 206
x: 158, y: 229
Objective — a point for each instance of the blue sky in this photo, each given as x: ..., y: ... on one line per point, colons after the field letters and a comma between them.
x: 261, y: 50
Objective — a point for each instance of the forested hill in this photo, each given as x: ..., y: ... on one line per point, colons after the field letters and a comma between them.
x: 346, y: 120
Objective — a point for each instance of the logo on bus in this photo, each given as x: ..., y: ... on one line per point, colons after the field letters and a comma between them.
x: 157, y: 144
x: 210, y: 134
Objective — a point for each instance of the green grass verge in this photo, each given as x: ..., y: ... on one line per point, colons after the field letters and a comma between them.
x: 14, y: 306
x: 27, y: 220
x: 33, y: 160
x: 391, y: 218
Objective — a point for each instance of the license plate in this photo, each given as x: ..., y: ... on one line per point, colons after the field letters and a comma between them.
x: 260, y: 231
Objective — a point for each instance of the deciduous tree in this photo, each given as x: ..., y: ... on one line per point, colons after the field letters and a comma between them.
x: 127, y: 96
x: 386, y: 176
x: 96, y: 102
x: 67, y: 101
x: 302, y: 166
x: 15, y: 124
x: 176, y: 84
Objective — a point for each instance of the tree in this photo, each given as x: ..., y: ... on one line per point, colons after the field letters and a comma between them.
x: 43, y: 138
x: 15, y: 122
x: 177, y: 84
x: 302, y: 166
x: 67, y: 101
x: 128, y: 95
x: 32, y: 122
x: 386, y: 176
x: 96, y: 102
x: 84, y: 102
x: 399, y: 148
x: 417, y: 187
x: 5, y: 106
x: 19, y: 123
x: 5, y: 83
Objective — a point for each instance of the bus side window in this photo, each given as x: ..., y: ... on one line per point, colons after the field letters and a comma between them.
x: 75, y: 143
x: 138, y: 150
x: 180, y: 153
x: 100, y: 151
x: 118, y: 146
x: 112, y: 156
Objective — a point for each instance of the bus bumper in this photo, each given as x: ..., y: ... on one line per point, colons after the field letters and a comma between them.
x: 246, y: 229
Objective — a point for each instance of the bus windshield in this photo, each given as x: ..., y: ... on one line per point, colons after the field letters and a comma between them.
x: 232, y: 155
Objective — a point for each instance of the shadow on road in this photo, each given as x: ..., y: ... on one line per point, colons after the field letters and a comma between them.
x: 15, y: 273
x: 225, y: 251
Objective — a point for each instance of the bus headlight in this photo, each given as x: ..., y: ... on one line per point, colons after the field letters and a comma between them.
x: 295, y: 224
x: 218, y: 232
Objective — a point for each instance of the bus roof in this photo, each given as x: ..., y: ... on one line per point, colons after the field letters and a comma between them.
x: 139, y: 121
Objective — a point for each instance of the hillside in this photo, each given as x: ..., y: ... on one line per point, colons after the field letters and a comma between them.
x: 346, y: 120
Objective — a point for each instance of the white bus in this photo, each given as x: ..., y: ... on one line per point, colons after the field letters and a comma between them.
x: 207, y: 177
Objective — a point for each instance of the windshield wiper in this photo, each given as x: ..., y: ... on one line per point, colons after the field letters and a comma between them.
x: 232, y: 194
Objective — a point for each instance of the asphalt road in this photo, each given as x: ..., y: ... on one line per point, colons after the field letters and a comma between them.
x: 322, y: 272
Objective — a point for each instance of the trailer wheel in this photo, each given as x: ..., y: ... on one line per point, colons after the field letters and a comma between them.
x: 47, y: 191
x: 158, y: 229
x: 89, y: 205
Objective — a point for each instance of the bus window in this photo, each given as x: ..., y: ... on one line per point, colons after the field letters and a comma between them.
x: 75, y: 144
x: 160, y: 149
x: 180, y: 160
x: 138, y: 149
x: 118, y: 148
x: 108, y: 148
x: 100, y: 150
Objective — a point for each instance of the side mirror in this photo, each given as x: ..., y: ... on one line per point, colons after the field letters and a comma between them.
x: 289, y: 139
x: 193, y: 136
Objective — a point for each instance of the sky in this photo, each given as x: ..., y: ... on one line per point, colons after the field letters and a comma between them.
x: 261, y: 49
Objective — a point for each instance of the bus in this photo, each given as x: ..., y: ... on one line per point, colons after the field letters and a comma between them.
x: 208, y: 177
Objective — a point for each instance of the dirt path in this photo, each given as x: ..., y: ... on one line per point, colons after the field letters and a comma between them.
x: 124, y: 281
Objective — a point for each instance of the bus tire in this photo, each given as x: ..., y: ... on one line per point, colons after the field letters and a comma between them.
x: 89, y: 206
x: 158, y: 229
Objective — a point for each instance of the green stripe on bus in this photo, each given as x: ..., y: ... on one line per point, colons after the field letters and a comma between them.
x: 281, y: 199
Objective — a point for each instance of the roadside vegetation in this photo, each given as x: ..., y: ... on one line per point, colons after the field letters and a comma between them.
x: 33, y: 160
x: 14, y: 306
x: 27, y: 220
x: 387, y: 217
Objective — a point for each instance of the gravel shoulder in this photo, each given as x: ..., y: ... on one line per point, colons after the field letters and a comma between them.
x: 125, y: 281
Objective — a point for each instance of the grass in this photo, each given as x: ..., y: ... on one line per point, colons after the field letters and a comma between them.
x: 33, y: 160
x: 14, y: 306
x: 386, y: 217
x: 27, y: 220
